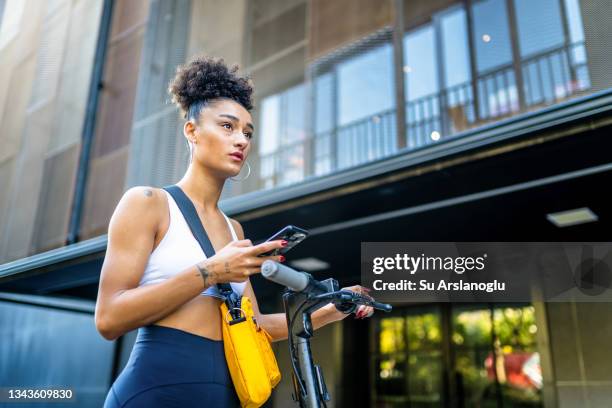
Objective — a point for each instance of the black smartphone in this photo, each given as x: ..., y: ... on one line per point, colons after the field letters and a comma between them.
x: 292, y: 234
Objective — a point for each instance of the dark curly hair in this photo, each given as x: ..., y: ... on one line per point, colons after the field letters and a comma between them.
x: 205, y: 79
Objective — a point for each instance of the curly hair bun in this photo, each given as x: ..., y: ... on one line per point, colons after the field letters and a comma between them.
x: 206, y: 78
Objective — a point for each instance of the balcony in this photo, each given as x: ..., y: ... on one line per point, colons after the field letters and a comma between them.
x: 540, y: 80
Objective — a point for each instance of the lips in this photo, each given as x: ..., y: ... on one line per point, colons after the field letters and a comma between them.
x: 238, y: 155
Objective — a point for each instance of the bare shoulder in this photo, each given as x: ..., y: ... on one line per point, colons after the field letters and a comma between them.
x: 143, y: 194
x: 142, y: 205
x: 144, y: 197
x: 237, y: 228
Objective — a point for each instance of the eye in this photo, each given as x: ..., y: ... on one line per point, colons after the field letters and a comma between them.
x: 249, y: 135
x: 229, y: 125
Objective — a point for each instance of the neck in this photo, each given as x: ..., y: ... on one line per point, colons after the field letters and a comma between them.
x: 202, y: 187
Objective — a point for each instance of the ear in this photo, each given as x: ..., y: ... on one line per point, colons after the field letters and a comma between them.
x: 189, y: 129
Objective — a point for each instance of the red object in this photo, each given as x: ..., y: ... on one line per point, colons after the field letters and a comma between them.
x: 513, y: 367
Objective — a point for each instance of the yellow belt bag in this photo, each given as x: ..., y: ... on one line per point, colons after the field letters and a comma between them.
x: 249, y: 356
x: 248, y: 352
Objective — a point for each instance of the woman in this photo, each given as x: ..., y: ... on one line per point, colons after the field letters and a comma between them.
x: 155, y: 276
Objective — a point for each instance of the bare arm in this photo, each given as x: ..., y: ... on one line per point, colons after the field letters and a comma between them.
x: 121, y: 305
x: 276, y: 324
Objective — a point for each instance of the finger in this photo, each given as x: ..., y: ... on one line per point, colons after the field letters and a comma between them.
x: 266, y: 247
x: 364, y: 312
x: 359, y: 312
x: 242, y: 243
x: 261, y: 259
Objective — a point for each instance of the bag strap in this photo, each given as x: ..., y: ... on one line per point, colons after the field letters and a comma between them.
x: 197, y: 229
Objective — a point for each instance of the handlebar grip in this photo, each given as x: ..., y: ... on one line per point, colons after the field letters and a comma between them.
x: 346, y: 308
x: 284, y: 275
x: 385, y: 307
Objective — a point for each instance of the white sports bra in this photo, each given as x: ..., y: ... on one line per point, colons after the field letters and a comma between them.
x: 178, y: 250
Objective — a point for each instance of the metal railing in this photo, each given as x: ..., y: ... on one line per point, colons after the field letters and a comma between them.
x: 548, y: 77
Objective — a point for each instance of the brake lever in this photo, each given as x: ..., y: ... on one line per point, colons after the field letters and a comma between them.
x: 353, y: 299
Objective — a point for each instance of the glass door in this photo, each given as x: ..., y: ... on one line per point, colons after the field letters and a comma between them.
x: 450, y: 355
x: 410, y: 363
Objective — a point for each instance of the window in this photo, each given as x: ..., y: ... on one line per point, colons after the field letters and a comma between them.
x: 491, y: 34
x: 488, y: 350
x: 365, y: 85
x: 421, y: 70
x: 539, y: 25
x: 282, y: 137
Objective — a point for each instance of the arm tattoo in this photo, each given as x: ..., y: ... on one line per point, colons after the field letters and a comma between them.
x: 148, y: 193
x: 227, y: 268
x: 204, y: 273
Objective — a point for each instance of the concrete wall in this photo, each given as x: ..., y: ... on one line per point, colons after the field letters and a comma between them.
x: 580, y: 336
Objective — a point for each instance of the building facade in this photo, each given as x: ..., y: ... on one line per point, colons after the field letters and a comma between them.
x: 390, y: 120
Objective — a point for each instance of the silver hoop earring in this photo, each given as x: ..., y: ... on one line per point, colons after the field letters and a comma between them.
x: 245, y: 177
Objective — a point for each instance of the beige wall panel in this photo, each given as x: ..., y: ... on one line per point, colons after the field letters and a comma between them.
x: 599, y: 395
x: 128, y: 15
x: 571, y: 396
x: 563, y: 342
x: 217, y: 29
x: 5, y: 79
x: 14, y: 58
x: 104, y: 189
x: 73, y: 87
x: 6, y: 174
x: 26, y: 185
x: 596, y: 334
x: 265, y: 10
x: 14, y: 114
x: 278, y: 76
x: 578, y: 334
x: 50, y: 55
x: 339, y: 22
x: 55, y: 201
x: 116, y: 106
x: 277, y: 34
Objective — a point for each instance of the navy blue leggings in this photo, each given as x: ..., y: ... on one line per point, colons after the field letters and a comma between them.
x: 173, y: 368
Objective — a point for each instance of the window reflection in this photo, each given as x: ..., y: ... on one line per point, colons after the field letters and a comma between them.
x: 365, y: 85
x: 464, y: 66
x: 455, y: 47
x: 493, y: 357
x: 325, y: 120
x: 410, y: 360
x: 283, y: 130
x: 539, y: 25
x: 421, y: 63
x: 459, y: 97
x: 491, y: 34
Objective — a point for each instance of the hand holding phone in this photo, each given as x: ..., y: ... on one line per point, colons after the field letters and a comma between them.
x: 292, y: 234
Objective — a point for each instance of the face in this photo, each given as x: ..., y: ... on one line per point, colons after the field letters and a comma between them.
x: 221, y: 138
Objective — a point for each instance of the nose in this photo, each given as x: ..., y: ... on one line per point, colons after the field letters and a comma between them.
x: 241, y: 140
